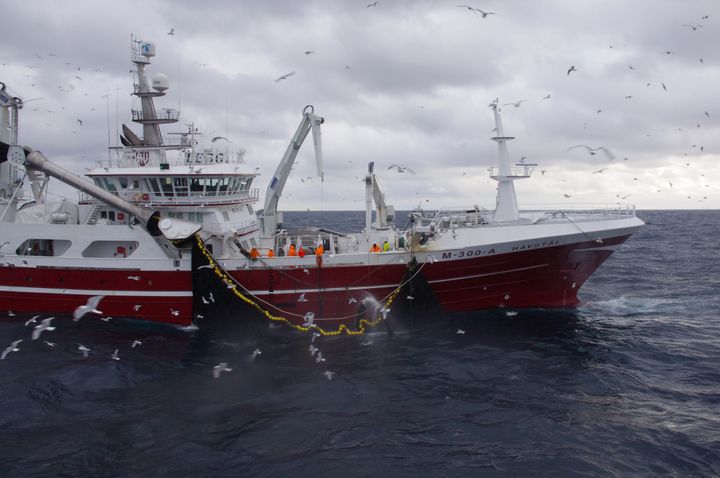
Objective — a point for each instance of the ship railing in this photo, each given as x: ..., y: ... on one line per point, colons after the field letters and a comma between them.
x: 165, y: 115
x: 515, y: 172
x: 452, y: 217
x: 249, y: 195
x: 583, y: 209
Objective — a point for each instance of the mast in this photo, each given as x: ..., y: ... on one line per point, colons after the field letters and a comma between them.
x: 506, y: 208
x: 141, y: 52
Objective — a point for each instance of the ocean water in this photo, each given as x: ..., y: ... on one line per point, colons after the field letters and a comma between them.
x: 626, y: 385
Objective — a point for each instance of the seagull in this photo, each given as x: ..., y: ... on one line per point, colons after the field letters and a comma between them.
x: 515, y: 104
x: 171, y: 32
x: 593, y: 151
x: 135, y: 278
x: 217, y: 138
x: 306, y: 271
x: 255, y: 353
x: 663, y: 86
x: 511, y: 313
x: 571, y: 69
x: 373, y: 4
x: 285, y: 76
x: 43, y: 326
x: 79, y: 120
x: 668, y: 52
x: 206, y: 266
x: 384, y: 311
x: 319, y: 357
x: 401, y: 169
x: 32, y: 321
x: 174, y: 312
x: 12, y: 348
x: 89, y: 307
x: 302, y: 298
x: 136, y: 307
x: 309, y: 52
x: 313, y: 350
x: 106, y: 319
x: 220, y: 368
x: 694, y: 27
x: 460, y: 332
x: 114, y: 356
x: 352, y: 300
x: 50, y: 344
x: 83, y: 349
x: 599, y: 171
x: 567, y: 195
x: 546, y: 97
x: 135, y: 344
x: 329, y: 374
x: 309, y: 320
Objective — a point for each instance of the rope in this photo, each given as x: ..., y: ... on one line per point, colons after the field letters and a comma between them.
x: 253, y: 301
x: 578, y: 228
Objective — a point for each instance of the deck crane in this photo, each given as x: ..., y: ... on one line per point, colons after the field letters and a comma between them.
x: 384, y: 214
x: 271, y: 218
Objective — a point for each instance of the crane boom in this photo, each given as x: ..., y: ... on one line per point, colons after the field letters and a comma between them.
x: 310, y: 121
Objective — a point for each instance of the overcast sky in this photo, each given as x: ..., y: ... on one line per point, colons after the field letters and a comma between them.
x: 401, y: 82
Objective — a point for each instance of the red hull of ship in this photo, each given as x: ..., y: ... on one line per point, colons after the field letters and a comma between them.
x: 543, y: 278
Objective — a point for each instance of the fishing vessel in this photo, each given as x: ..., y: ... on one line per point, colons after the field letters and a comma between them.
x: 162, y: 223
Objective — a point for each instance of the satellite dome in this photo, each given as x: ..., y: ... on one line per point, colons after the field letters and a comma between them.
x: 160, y: 82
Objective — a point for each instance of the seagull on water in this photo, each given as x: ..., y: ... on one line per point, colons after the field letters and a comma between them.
x: 42, y: 327
x: 83, y: 349
x: 50, y: 344
x: 115, y: 356
x: 255, y: 353
x: 135, y: 344
x: 220, y: 368
x: 89, y: 307
x: 12, y: 348
x: 319, y: 357
x: 460, y: 332
x: 329, y: 374
x: 313, y: 350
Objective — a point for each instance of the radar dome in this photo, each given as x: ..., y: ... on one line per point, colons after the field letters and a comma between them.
x: 147, y: 49
x: 160, y: 82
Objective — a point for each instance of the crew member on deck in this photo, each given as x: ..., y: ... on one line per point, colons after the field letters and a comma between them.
x: 254, y: 253
x: 292, y: 251
x: 386, y: 246
x: 375, y: 248
x: 271, y: 253
x: 319, y: 250
x: 301, y: 252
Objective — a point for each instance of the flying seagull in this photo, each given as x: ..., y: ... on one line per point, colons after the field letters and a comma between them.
x: 12, y: 348
x: 477, y: 10
x: 593, y: 151
x: 43, y: 326
x: 515, y: 104
x: 220, y: 368
x: 89, y: 307
x: 571, y: 69
x: 171, y: 32
x: 401, y: 169
x: 285, y: 76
